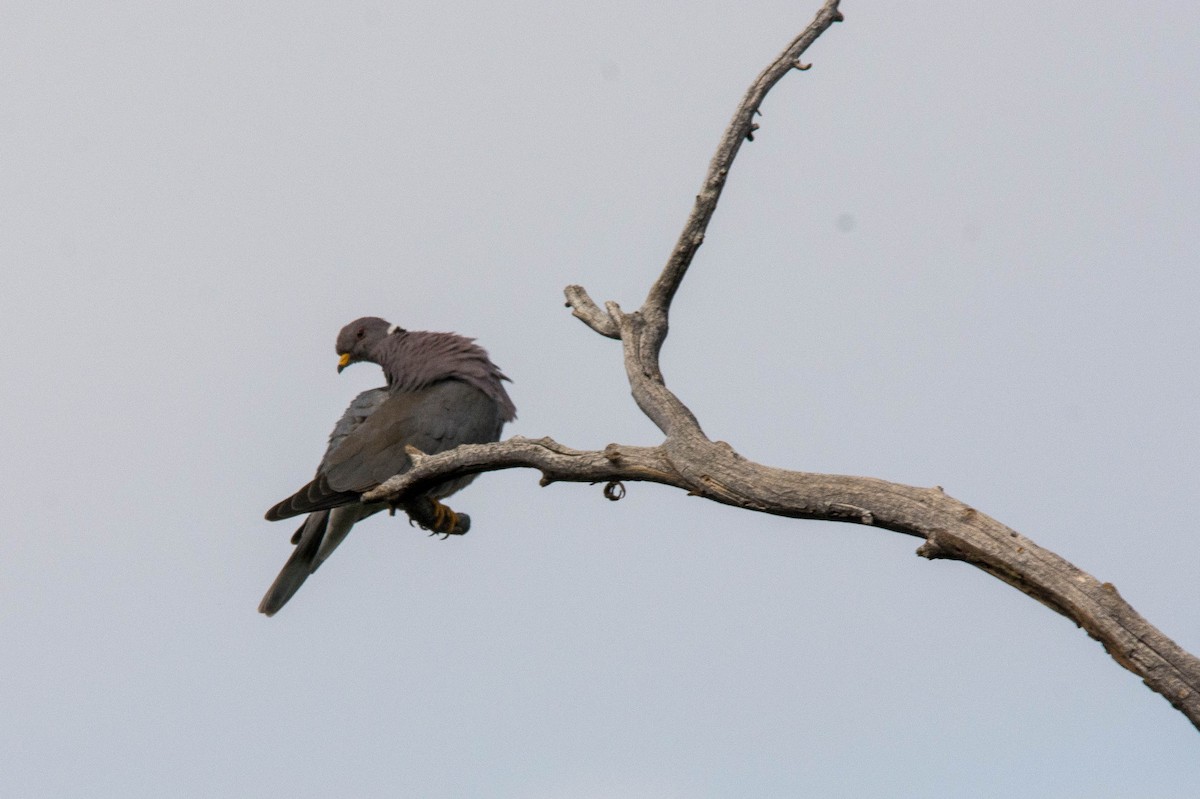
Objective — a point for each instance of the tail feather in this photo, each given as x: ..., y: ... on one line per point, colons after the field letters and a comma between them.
x: 316, y: 496
x: 301, y: 564
x: 341, y: 520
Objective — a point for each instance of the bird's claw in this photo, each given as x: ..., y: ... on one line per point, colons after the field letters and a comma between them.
x: 429, y: 514
x: 444, y: 519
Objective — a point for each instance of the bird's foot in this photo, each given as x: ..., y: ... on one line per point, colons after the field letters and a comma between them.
x: 445, y: 520
x: 438, y: 519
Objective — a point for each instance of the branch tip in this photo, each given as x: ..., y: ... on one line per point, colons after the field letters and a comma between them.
x: 585, y: 309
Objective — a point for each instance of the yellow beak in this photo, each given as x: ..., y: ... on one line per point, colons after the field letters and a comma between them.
x: 343, y: 361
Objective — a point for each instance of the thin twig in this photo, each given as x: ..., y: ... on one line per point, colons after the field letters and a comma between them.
x: 738, y: 131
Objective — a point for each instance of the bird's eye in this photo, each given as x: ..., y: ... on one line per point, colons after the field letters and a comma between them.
x: 361, y: 332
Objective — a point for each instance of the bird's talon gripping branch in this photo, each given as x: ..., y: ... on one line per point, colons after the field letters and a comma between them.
x: 444, y: 519
x: 439, y: 519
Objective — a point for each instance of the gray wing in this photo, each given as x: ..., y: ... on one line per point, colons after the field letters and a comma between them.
x: 432, y: 419
x: 323, y: 530
x: 361, y: 407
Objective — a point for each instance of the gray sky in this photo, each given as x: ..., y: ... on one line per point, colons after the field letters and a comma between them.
x: 961, y: 251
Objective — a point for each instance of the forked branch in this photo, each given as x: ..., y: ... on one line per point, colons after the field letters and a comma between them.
x: 688, y: 460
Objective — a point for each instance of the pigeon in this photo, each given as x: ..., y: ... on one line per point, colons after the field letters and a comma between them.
x: 442, y: 391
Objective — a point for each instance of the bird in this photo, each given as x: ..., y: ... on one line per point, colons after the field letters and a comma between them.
x: 442, y: 391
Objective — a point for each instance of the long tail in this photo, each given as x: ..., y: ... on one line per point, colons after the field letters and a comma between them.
x: 316, y: 539
x: 298, y: 566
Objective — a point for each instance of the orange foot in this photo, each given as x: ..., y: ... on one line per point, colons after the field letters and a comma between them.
x: 445, y: 521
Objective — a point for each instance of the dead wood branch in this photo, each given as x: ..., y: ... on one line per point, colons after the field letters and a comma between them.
x: 688, y: 460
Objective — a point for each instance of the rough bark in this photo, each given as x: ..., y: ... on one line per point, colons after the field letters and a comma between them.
x: 689, y: 460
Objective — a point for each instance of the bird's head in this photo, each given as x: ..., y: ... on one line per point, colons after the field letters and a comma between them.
x: 358, y: 339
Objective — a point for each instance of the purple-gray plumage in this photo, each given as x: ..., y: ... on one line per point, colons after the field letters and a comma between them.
x: 415, y: 359
x: 443, y: 390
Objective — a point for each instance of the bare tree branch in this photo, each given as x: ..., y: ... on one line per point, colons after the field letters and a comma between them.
x: 741, y: 128
x: 688, y: 460
x: 556, y: 462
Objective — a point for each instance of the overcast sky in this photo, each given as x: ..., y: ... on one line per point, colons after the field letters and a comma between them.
x: 960, y: 251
